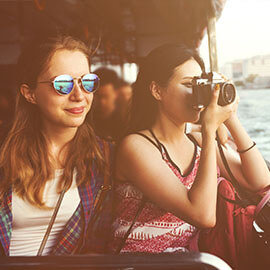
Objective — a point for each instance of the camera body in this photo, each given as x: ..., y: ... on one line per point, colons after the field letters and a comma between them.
x: 203, y: 86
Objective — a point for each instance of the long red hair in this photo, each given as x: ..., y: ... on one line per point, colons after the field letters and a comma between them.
x: 25, y: 161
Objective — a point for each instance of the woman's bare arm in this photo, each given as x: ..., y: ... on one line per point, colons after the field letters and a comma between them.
x: 248, y: 168
x: 140, y: 162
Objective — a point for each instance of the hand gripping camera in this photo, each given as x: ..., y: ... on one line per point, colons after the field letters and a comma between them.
x: 203, y: 86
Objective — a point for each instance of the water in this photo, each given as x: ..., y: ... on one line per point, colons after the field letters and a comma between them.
x: 254, y: 114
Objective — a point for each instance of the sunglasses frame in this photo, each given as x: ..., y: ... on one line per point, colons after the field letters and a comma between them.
x: 73, y: 79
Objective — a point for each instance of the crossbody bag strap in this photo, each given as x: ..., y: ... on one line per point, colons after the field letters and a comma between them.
x: 101, y: 195
x: 104, y: 189
x: 107, y: 185
x: 262, y: 203
x: 52, y: 220
x: 265, y: 200
x: 243, y: 200
x: 141, y: 206
x: 244, y: 196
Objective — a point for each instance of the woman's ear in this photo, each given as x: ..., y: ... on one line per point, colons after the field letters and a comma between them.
x: 28, y: 94
x: 155, y: 90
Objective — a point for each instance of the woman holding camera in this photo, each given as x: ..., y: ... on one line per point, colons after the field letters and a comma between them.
x: 167, y: 180
x: 51, y: 155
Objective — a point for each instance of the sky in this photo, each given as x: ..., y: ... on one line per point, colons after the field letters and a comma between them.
x: 243, y: 31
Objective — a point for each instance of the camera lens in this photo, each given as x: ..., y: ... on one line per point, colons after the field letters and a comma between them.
x: 228, y: 93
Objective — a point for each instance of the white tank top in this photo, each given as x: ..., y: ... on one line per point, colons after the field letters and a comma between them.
x: 30, y: 223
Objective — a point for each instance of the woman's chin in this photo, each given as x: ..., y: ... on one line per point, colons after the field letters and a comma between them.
x: 195, y: 116
x: 74, y: 123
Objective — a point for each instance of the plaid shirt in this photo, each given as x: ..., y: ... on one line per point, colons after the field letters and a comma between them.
x: 77, y: 226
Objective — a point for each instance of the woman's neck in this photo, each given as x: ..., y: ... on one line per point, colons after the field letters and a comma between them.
x: 168, y: 130
x: 57, y: 137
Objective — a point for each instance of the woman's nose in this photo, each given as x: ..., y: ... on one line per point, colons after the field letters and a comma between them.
x: 77, y: 92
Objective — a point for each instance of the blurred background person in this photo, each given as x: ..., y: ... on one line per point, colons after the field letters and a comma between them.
x: 124, y: 95
x: 105, y: 103
x: 123, y: 103
x: 111, y: 105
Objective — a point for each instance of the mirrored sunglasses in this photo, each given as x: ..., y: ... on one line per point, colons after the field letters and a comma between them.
x: 64, y: 84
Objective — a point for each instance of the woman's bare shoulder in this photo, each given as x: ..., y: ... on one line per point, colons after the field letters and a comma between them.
x: 133, y: 150
x: 132, y: 141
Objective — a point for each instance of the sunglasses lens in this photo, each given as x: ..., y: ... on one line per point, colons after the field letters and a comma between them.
x: 63, y: 84
x: 90, y: 82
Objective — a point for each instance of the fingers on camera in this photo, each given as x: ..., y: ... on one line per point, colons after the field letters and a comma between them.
x: 215, y: 94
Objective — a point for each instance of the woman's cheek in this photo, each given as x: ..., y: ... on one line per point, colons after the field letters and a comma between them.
x: 90, y: 101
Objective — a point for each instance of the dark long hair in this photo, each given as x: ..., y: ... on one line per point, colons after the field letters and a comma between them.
x: 158, y: 66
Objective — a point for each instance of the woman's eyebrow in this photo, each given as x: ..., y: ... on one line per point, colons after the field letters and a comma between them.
x: 188, y: 77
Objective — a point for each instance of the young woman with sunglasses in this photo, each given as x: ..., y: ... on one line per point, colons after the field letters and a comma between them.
x: 51, y: 149
x: 167, y: 180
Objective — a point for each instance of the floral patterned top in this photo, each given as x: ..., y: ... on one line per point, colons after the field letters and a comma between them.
x: 155, y: 229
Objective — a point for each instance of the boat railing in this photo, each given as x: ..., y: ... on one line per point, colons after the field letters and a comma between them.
x: 180, y: 261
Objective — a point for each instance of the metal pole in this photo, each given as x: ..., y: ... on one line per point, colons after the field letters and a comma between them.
x: 122, y: 71
x: 212, y: 47
x: 211, y: 33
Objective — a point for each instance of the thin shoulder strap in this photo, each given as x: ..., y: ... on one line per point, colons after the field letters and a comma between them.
x: 161, y: 146
x: 163, y: 149
x: 192, y: 138
x: 150, y: 140
x: 157, y: 141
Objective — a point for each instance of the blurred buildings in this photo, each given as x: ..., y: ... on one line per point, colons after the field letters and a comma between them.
x: 252, y: 72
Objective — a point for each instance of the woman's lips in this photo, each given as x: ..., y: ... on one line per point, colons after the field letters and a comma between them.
x: 77, y: 110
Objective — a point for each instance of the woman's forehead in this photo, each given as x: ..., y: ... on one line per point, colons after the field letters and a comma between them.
x: 74, y: 63
x: 188, y: 69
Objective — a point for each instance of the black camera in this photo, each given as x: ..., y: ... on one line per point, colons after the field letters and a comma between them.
x: 203, y: 86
